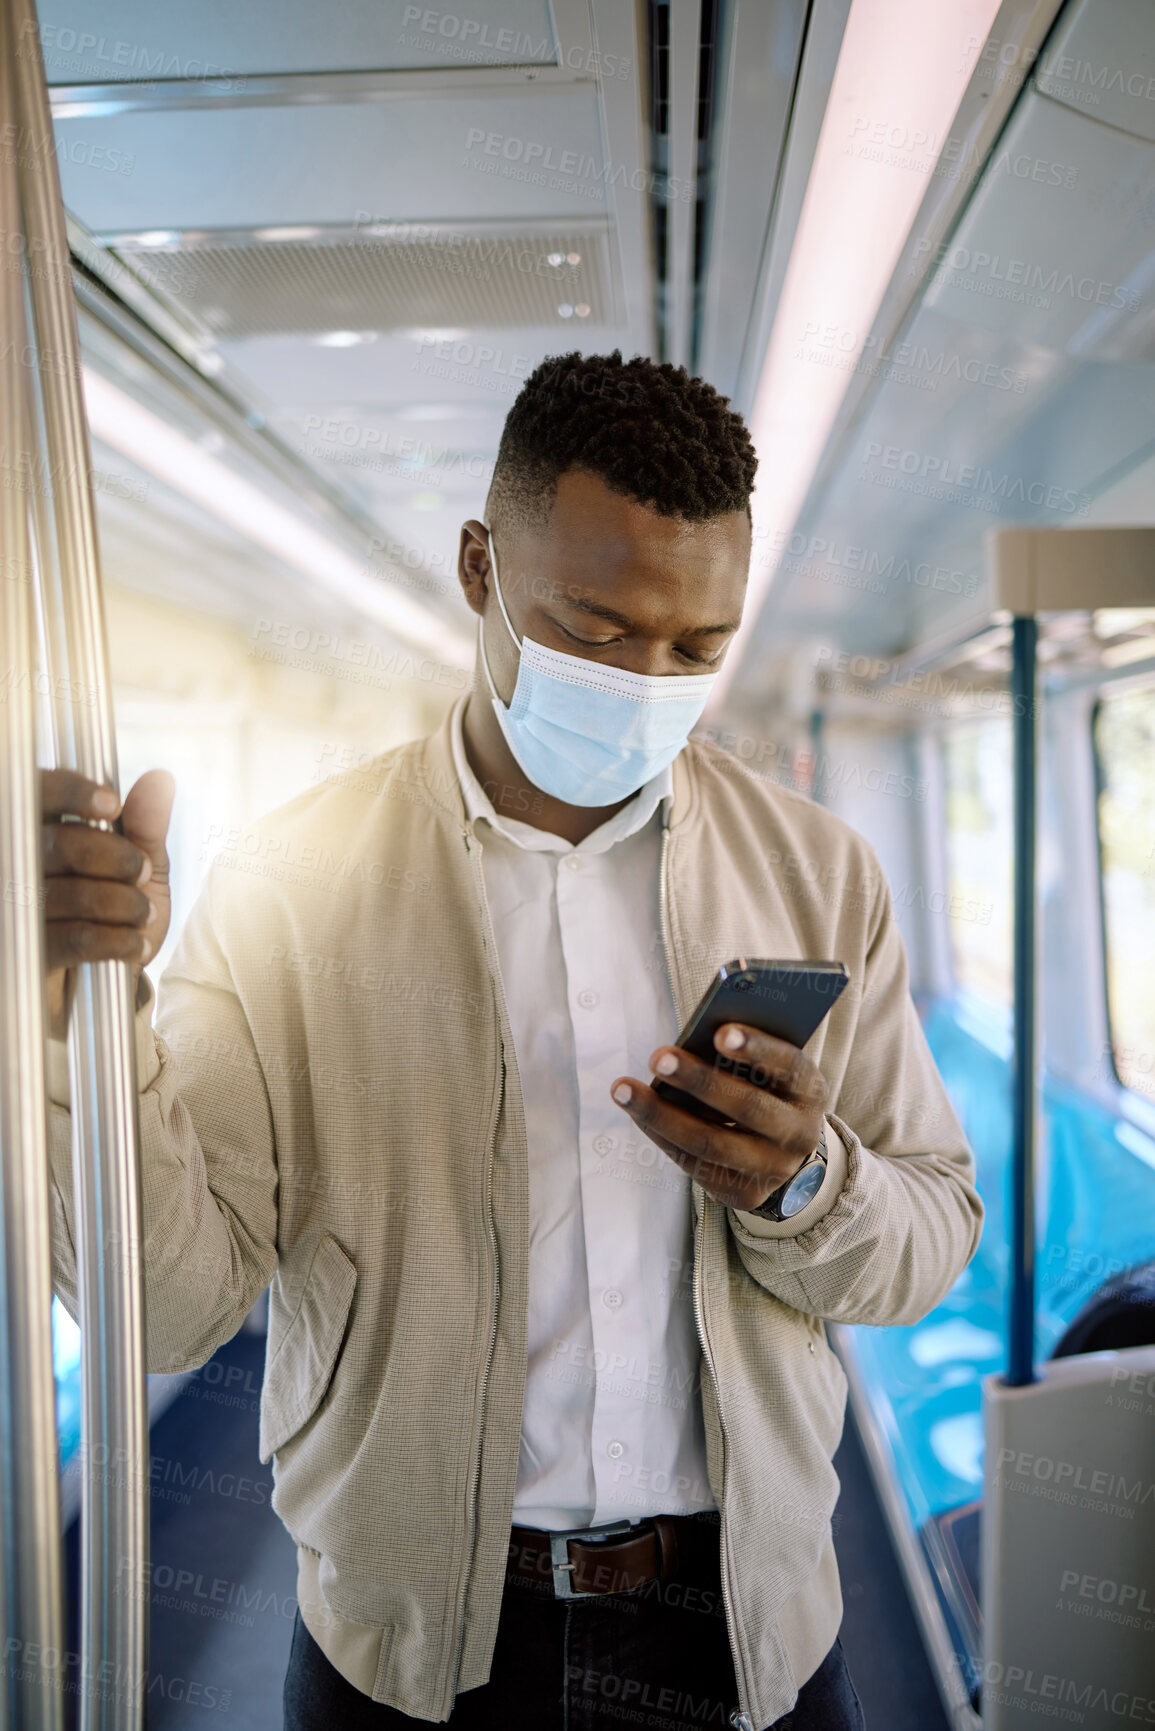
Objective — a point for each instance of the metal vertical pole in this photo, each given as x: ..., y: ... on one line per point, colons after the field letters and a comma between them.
x: 681, y: 169
x: 105, y: 1127
x: 817, y: 730
x: 1021, y: 1324
x: 31, y: 1604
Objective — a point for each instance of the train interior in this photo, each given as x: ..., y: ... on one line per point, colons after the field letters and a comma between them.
x: 316, y: 250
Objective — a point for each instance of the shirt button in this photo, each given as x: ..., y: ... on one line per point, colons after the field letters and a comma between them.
x: 573, y: 862
x: 603, y: 1144
x: 615, y: 1449
x: 587, y: 999
x: 611, y: 1298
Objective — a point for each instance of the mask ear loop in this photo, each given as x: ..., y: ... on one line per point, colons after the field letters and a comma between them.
x: 504, y: 615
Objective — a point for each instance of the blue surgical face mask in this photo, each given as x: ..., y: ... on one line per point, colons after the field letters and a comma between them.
x: 588, y: 734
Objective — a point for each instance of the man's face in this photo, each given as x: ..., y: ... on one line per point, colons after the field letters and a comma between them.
x: 612, y: 581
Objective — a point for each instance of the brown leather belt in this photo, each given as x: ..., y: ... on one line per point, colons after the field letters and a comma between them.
x: 580, y: 1562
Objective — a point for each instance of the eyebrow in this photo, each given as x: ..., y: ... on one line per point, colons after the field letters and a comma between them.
x: 619, y: 619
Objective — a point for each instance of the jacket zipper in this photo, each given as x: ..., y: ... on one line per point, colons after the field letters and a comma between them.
x: 475, y: 856
x: 741, y: 1719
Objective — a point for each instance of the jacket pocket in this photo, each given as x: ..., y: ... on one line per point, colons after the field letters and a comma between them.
x: 302, y: 1366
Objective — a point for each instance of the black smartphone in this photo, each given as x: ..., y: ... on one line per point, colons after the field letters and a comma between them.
x: 788, y: 999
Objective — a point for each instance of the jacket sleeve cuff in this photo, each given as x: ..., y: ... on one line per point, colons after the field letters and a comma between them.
x: 837, y: 1166
x: 147, y: 1058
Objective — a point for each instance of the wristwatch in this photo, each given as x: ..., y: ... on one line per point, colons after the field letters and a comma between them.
x: 791, y: 1198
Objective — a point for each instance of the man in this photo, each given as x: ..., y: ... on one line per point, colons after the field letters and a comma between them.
x: 514, y: 1292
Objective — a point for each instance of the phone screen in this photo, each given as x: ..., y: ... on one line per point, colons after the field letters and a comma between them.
x: 785, y: 998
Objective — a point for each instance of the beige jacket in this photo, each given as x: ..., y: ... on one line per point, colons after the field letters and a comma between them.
x: 331, y: 1103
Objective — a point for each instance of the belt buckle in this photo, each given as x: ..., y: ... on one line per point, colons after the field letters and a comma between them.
x: 559, y: 1554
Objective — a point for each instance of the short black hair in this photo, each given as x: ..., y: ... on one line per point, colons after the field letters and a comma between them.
x: 645, y: 428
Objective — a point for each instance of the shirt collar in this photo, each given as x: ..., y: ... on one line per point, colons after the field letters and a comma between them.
x: 633, y: 816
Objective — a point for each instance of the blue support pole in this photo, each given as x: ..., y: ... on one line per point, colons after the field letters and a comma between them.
x: 816, y: 735
x: 1021, y: 1322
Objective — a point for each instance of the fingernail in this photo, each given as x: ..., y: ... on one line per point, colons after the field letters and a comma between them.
x: 151, y: 915
x: 666, y: 1064
x: 623, y: 1094
x: 106, y: 802
x: 733, y: 1039
x: 145, y: 871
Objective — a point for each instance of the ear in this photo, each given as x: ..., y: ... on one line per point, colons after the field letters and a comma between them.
x: 473, y: 564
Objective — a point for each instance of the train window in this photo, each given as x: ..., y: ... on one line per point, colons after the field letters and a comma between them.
x: 1124, y: 733
x: 977, y: 770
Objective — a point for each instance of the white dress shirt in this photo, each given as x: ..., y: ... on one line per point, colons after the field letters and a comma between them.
x: 612, y: 1425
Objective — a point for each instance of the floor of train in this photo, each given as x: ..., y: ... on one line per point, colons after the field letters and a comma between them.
x: 224, y: 1571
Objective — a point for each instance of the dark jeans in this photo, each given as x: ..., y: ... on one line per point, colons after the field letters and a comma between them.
x: 658, y: 1656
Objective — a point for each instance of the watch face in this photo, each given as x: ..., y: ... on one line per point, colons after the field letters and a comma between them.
x: 803, y: 1190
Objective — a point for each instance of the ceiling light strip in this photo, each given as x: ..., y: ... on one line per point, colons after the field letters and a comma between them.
x: 297, y: 89
x: 373, y: 230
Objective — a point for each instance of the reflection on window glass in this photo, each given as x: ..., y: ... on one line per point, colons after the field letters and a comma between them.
x: 1125, y: 744
x: 977, y: 766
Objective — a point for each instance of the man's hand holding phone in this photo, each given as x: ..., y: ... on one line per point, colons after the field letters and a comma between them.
x: 740, y: 1106
x: 776, y: 1119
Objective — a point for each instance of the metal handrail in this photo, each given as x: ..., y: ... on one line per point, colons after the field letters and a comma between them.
x: 101, y: 1043
x: 31, y: 1606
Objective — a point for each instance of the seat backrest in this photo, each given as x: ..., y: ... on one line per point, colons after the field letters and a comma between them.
x: 1120, y: 1314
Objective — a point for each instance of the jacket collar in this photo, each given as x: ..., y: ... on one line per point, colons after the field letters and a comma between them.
x: 438, y: 773
x: 685, y: 802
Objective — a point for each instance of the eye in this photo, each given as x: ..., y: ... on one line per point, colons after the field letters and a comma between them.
x: 604, y: 642
x: 590, y: 642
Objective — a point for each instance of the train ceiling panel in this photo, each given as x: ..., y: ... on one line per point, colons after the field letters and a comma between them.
x: 1017, y: 386
x: 408, y: 160
x: 893, y: 554
x: 216, y: 39
x: 480, y: 277
x: 367, y: 224
x: 1055, y: 242
x: 262, y: 185
x: 1099, y: 62
x: 449, y: 379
